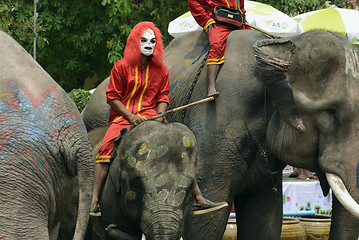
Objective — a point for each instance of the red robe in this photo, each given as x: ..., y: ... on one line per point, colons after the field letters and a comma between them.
x: 139, y: 91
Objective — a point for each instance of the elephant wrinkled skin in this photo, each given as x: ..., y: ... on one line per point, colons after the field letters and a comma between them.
x: 44, y: 150
x: 244, y: 142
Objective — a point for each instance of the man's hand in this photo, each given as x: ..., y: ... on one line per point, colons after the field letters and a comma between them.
x: 135, y: 120
x: 209, y: 28
x: 161, y: 119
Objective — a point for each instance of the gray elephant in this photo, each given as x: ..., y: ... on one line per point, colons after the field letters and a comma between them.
x: 44, y: 150
x: 150, y: 180
x: 235, y: 160
x: 244, y: 142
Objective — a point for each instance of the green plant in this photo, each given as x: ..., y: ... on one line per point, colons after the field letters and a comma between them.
x: 80, y: 97
x: 296, y: 7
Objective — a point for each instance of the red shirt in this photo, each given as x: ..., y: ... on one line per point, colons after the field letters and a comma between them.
x: 202, y: 10
x: 140, y: 91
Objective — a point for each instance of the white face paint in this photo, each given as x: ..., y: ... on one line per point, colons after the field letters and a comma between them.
x: 148, y: 42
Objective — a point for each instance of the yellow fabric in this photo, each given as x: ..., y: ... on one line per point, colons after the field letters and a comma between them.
x: 329, y: 20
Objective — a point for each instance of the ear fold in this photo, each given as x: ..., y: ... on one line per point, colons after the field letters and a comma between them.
x: 277, y: 48
x: 271, y: 71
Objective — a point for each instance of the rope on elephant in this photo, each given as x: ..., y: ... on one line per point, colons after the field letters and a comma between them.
x: 189, y: 94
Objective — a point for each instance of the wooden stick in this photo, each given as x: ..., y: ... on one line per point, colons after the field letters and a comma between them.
x: 261, y: 30
x: 182, y: 107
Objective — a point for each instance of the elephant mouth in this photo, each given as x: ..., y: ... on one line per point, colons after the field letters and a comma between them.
x: 342, y: 194
x: 144, y: 237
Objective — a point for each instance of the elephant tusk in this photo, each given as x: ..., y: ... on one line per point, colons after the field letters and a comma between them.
x: 342, y: 194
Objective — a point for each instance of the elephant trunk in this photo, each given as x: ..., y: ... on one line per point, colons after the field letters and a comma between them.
x: 85, y: 176
x: 342, y: 194
x: 163, y: 224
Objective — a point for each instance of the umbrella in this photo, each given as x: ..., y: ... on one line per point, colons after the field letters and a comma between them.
x: 183, y: 24
x: 269, y: 18
x: 258, y: 14
x: 333, y: 19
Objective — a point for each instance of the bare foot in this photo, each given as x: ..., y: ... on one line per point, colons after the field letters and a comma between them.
x: 212, y: 93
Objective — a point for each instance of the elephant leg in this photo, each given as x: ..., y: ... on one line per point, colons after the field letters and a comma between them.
x: 259, y: 217
x: 344, y: 226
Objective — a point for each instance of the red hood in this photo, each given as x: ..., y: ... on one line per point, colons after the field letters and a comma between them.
x: 132, y: 50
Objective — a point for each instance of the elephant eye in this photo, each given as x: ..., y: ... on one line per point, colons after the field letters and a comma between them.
x: 137, y: 182
x: 327, y: 121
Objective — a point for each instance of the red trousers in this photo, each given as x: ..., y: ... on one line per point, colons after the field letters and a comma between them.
x: 217, y: 43
x: 107, y: 147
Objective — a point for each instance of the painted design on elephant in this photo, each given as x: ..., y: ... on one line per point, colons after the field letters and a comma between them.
x: 2, y: 234
x: 187, y: 142
x: 206, y: 141
x: 143, y: 149
x: 198, y: 50
x: 39, y: 118
x: 349, y: 111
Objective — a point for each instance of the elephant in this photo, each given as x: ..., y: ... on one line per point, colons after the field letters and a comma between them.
x: 147, y: 190
x: 45, y: 153
x: 244, y: 138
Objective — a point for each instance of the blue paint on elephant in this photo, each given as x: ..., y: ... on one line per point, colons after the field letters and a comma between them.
x: 198, y: 50
x: 38, y: 117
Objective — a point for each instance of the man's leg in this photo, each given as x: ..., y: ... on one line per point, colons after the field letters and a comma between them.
x: 101, y: 171
x: 212, y: 71
x: 217, y: 43
x: 202, y: 205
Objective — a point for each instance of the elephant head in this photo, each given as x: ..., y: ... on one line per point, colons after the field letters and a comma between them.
x: 155, y: 167
x: 324, y: 75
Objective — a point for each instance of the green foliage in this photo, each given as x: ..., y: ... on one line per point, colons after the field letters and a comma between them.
x: 71, y: 36
x: 16, y: 19
x: 77, y: 39
x: 296, y: 7
x: 125, y: 14
x: 80, y: 97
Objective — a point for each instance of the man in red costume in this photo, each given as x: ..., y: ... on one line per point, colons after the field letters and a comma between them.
x: 202, y: 11
x: 138, y: 89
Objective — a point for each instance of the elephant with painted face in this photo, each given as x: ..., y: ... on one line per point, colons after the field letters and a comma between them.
x: 244, y: 142
x: 148, y: 187
x: 44, y: 150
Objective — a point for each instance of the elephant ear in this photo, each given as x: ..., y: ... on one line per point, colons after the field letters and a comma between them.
x: 272, y: 64
x: 286, y: 134
x: 280, y: 48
